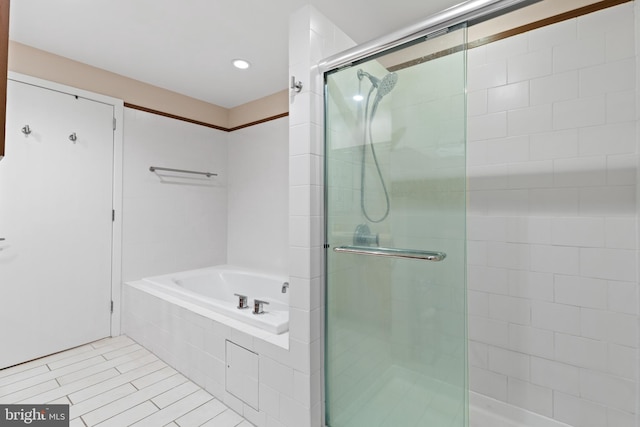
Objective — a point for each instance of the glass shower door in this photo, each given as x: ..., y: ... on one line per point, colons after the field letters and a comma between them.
x: 395, y: 350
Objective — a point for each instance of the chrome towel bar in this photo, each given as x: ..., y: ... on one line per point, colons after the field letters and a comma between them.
x: 156, y: 168
x: 393, y: 253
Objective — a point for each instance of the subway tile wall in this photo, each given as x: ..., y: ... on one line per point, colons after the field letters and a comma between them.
x: 552, y: 256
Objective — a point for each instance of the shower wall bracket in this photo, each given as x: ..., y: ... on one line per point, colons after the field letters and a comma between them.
x: 295, y: 85
x: 364, y: 237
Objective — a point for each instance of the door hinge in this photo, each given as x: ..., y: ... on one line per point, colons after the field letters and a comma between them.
x: 114, y: 123
x: 112, y: 306
x: 113, y: 215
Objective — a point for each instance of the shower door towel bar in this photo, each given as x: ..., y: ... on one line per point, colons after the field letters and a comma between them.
x: 156, y: 168
x: 393, y: 253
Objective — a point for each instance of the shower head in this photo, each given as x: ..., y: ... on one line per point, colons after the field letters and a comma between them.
x: 387, y: 84
x: 383, y: 86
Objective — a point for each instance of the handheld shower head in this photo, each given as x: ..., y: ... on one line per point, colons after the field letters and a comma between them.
x: 383, y: 86
x: 387, y: 84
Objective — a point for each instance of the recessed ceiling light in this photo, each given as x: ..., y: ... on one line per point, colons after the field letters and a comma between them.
x: 358, y: 97
x: 241, y: 64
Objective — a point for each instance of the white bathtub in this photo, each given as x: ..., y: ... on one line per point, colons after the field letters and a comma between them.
x: 213, y: 288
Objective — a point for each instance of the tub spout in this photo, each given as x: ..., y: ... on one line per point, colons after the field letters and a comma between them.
x: 285, y: 286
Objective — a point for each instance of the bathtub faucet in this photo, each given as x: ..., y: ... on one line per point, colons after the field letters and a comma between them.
x: 285, y: 286
x: 258, y: 306
x: 242, y: 301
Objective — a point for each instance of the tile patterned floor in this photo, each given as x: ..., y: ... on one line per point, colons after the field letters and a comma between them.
x: 115, y: 382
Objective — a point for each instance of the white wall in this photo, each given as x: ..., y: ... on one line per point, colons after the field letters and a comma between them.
x: 553, y: 296
x: 258, y: 197
x: 172, y: 222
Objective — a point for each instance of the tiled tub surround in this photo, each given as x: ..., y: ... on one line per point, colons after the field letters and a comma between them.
x: 172, y: 222
x: 258, y: 197
x: 197, y: 343
x: 180, y: 223
x: 228, y: 221
x: 552, y: 273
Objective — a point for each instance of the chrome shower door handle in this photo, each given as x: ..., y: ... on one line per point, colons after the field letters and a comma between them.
x: 392, y: 253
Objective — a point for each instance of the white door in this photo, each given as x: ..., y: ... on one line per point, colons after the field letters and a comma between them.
x: 55, y: 217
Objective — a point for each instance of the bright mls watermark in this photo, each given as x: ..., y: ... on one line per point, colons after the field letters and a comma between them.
x: 34, y: 415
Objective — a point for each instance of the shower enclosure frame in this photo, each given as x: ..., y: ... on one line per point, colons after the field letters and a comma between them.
x: 467, y: 13
x: 471, y: 12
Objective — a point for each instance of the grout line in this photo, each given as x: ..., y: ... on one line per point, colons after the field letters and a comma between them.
x: 141, y: 367
x: 70, y: 389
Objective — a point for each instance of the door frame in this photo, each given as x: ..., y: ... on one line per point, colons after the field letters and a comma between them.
x: 118, y: 146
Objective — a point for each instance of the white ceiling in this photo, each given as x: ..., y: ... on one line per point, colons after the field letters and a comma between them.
x: 187, y: 45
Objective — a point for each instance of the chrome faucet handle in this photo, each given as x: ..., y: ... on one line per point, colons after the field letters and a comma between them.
x: 242, y: 301
x: 257, y: 306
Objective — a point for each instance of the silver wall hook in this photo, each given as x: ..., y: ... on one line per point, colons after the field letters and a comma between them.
x: 26, y: 129
x: 73, y: 137
x: 297, y: 86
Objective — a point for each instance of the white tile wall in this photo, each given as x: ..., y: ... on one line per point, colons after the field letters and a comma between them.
x: 554, y: 87
x: 508, y: 97
x: 258, y: 197
x: 553, y: 302
x: 555, y: 375
x: 312, y: 38
x: 530, y: 396
x: 175, y: 222
x: 197, y: 346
